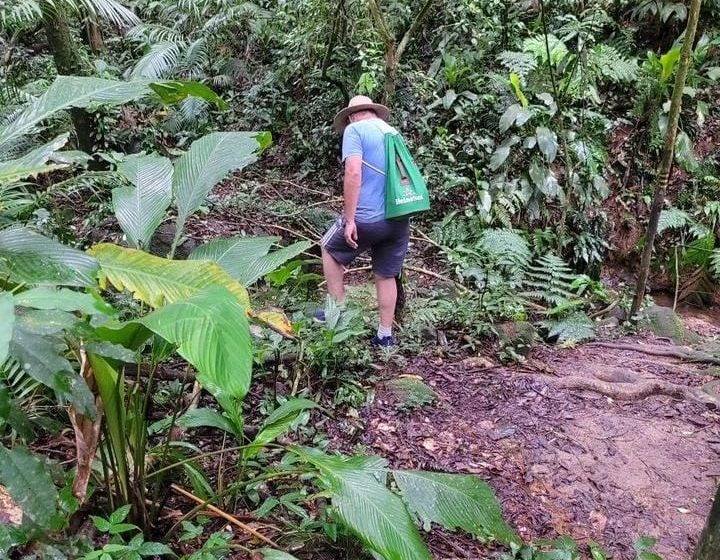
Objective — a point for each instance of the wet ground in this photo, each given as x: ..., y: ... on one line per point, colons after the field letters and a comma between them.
x: 563, y: 461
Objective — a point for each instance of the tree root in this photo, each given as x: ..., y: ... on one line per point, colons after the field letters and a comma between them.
x: 634, y: 391
x: 680, y: 353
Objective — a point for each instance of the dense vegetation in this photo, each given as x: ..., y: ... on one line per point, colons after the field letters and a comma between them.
x: 166, y: 168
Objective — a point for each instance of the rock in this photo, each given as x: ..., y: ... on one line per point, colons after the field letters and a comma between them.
x: 664, y: 322
x: 162, y: 241
x: 517, y: 337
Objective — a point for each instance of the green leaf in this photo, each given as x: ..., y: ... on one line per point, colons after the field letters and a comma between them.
x: 668, y: 62
x: 499, y: 156
x: 7, y: 312
x: 29, y: 483
x: 30, y: 258
x: 277, y: 423
x: 174, y: 92
x: 102, y: 525
x: 246, y: 259
x: 212, y: 333
x: 155, y: 549
x: 72, y: 91
x: 197, y: 418
x: 547, y: 142
x: 33, y: 163
x: 365, y: 505
x: 206, y: 163
x: 271, y: 554
x: 63, y: 300
x: 509, y: 116
x: 111, y: 387
x: 42, y: 360
x: 120, y: 514
x: 157, y: 281
x: 544, y: 180
x: 515, y: 82
x: 576, y: 327
x: 454, y: 501
x: 141, y: 208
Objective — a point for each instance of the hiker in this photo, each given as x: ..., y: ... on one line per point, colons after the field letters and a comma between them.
x: 362, y: 225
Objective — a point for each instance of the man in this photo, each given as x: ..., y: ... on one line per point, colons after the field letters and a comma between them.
x: 363, y: 226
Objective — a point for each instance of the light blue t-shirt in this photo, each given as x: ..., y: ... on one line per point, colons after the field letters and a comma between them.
x: 366, y: 138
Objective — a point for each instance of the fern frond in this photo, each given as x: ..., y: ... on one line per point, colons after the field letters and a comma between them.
x: 605, y: 63
x: 506, y: 247
x: 550, y: 280
x: 536, y: 46
x: 521, y: 63
x: 673, y: 218
x: 576, y: 327
x: 714, y: 264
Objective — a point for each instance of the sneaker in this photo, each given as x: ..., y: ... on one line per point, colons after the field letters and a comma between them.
x: 385, y: 342
x: 319, y: 315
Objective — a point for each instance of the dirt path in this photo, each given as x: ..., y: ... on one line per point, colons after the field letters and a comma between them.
x: 564, y: 461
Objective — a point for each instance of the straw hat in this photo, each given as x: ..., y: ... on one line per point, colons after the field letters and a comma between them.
x: 358, y: 103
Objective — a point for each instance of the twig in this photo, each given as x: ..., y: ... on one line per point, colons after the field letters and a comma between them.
x: 229, y: 518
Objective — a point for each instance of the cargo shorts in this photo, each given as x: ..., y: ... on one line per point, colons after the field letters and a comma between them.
x: 387, y: 241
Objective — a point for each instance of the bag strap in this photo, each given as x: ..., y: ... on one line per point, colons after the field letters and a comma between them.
x: 375, y: 169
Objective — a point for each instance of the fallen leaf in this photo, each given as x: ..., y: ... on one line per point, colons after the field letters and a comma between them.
x: 683, y: 510
x: 10, y: 512
x: 430, y: 444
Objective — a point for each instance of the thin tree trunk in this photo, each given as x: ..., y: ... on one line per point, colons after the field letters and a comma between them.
x: 663, y: 176
x: 394, y: 50
x: 94, y: 35
x: 68, y: 62
x: 709, y: 546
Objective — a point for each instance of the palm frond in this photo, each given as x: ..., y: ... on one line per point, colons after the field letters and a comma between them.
x: 159, y: 61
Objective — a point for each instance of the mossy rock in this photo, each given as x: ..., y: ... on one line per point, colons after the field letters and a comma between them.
x: 411, y: 393
x: 518, y: 336
x: 664, y: 322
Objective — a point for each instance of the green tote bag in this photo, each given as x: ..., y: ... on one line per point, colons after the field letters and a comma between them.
x: 405, y: 191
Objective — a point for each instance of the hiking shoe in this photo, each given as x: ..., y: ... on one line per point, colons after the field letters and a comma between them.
x: 384, y: 342
x: 319, y: 315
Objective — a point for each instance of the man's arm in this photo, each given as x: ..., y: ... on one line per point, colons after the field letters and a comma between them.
x: 351, y: 195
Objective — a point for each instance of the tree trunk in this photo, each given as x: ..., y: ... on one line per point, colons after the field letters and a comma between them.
x: 663, y: 176
x: 94, y: 35
x: 709, y: 546
x: 68, y: 61
x: 391, y: 64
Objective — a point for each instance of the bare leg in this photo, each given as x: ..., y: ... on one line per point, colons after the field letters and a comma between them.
x: 386, y: 296
x: 334, y: 276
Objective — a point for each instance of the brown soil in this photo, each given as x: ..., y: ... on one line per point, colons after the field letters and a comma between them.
x: 564, y: 461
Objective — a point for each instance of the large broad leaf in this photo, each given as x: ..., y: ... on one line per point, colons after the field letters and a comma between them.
x: 272, y: 554
x: 197, y: 418
x: 28, y: 257
x: 547, y: 142
x: 205, y: 164
x: 43, y: 360
x: 33, y: 163
x: 366, y: 506
x: 141, y: 208
x: 157, y: 281
x: 31, y: 487
x: 454, y: 501
x: 63, y: 299
x: 246, y: 258
x: 7, y: 312
x: 278, y: 423
x: 212, y: 333
x: 72, y: 91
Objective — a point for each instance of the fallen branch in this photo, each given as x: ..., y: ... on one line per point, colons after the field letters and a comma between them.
x: 226, y: 516
x: 687, y: 355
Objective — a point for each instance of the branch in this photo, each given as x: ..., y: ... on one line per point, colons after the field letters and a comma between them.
x: 382, y: 27
x: 328, y: 54
x: 413, y: 29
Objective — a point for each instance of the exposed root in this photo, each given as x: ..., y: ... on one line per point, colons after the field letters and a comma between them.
x: 635, y: 390
x: 680, y: 353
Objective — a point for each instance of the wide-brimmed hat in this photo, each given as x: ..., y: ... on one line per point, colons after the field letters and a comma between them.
x: 358, y: 103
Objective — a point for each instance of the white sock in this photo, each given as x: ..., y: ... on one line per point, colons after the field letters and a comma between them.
x: 384, y: 332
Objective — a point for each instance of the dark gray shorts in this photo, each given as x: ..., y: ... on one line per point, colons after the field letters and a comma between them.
x: 387, y: 241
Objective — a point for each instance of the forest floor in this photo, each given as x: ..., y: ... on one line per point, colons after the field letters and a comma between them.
x: 596, y: 442
x: 565, y: 461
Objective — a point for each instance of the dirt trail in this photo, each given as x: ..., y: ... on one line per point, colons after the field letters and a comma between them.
x: 565, y: 461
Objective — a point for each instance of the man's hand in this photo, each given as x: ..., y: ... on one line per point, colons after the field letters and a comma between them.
x: 351, y: 234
